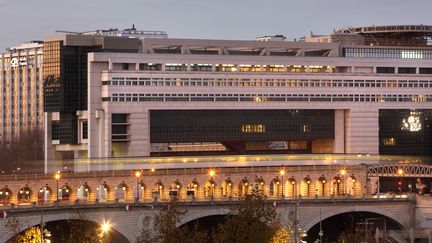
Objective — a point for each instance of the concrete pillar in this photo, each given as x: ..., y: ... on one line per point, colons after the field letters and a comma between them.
x: 49, y: 153
x: 362, y: 131
x: 339, y: 126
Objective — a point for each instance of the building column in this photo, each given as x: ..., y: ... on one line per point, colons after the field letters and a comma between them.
x: 49, y: 153
x: 362, y: 131
x: 339, y: 130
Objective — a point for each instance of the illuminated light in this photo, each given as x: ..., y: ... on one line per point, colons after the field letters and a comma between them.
x: 412, y: 123
x: 27, y: 192
x: 67, y: 190
x: 104, y: 189
x: 178, y: 186
x: 212, y: 172
x: 21, y: 192
x: 308, y: 182
x: 87, y: 189
x: 1, y: 193
x: 229, y: 184
x: 160, y: 187
x: 142, y: 188
x: 152, y: 169
x: 212, y: 185
x: 7, y: 193
x: 277, y: 182
x: 246, y: 183
x: 138, y: 174
x: 59, y: 190
x: 97, y: 189
x: 57, y: 176
x: 105, y: 227
x: 124, y: 188
x: 323, y: 181
x: 400, y: 171
x: 262, y: 183
x: 282, y: 172
x: 343, y: 172
x: 195, y: 185
x: 412, y: 54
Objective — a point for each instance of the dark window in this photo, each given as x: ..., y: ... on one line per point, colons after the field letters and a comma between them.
x: 84, y: 130
x: 55, y: 126
x: 125, y: 66
x: 405, y: 132
x: 425, y: 70
x: 240, y: 125
x: 409, y: 70
x: 385, y: 70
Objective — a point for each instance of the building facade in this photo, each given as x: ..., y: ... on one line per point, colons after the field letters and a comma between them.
x: 21, y: 86
x: 188, y: 96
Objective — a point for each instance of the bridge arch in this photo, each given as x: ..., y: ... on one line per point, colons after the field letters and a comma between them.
x: 191, y: 216
x: 342, y: 210
x: 35, y: 221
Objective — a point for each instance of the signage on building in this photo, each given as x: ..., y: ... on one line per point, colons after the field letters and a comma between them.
x: 21, y: 61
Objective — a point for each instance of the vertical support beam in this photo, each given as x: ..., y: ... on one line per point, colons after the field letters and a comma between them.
x: 362, y: 131
x: 339, y: 129
x: 48, y: 147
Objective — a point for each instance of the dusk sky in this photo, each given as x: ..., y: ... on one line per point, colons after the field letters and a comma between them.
x: 24, y: 20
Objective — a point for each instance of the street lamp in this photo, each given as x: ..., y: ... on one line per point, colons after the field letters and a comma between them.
x: 212, y: 172
x: 137, y: 175
x: 57, y: 177
x: 282, y: 173
x: 343, y: 172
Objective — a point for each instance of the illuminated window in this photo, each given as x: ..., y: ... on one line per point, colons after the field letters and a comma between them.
x: 306, y: 128
x: 389, y: 141
x: 412, y: 123
x: 253, y: 128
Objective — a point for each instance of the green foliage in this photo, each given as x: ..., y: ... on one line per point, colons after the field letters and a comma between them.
x: 166, y: 223
x: 82, y: 230
x: 252, y: 221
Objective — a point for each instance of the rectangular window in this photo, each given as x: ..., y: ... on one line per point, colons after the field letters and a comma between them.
x: 385, y: 70
x: 407, y: 70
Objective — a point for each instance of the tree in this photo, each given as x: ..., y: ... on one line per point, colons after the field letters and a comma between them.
x: 82, y: 230
x: 23, y: 151
x: 282, y: 235
x: 165, y: 226
x: 252, y: 221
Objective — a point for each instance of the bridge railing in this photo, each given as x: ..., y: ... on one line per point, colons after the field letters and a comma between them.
x: 331, y: 199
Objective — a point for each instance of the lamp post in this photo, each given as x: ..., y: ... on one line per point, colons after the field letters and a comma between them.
x: 211, y: 174
x: 343, y: 172
x: 400, y: 173
x: 282, y: 173
x: 57, y: 177
x: 137, y: 175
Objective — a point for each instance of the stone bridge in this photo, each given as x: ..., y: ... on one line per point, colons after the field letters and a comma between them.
x: 129, y: 224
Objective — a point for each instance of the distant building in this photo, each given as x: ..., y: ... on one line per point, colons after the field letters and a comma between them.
x: 162, y: 96
x: 21, y: 90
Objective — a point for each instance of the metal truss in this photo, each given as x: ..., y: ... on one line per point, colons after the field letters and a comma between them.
x: 402, y: 170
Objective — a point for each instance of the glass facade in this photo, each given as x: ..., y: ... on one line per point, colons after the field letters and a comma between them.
x: 405, y: 132
x: 240, y: 125
x: 65, y: 84
x: 387, y: 53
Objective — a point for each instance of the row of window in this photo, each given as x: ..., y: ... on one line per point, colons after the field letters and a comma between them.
x: 268, y: 97
x: 258, y: 82
x: 229, y: 67
x: 387, y: 53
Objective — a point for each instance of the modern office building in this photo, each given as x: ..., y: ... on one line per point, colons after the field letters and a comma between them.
x: 65, y: 79
x: 21, y: 90
x: 363, y: 90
